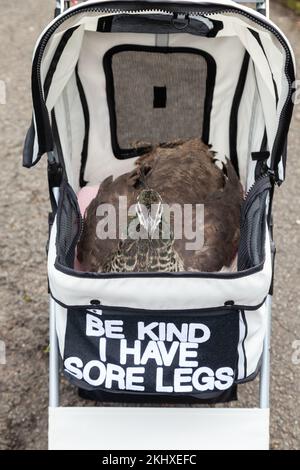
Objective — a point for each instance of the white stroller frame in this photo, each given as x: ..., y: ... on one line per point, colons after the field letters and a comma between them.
x: 128, y: 420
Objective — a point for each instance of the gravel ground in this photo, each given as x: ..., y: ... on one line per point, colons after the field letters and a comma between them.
x: 23, y: 221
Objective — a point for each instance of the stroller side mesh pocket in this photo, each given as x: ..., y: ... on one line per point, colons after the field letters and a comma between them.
x: 69, y: 226
x: 253, y: 225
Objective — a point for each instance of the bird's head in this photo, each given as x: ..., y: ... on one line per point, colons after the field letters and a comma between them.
x: 149, y: 210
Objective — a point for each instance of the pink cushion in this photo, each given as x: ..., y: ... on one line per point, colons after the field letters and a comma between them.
x: 85, y: 196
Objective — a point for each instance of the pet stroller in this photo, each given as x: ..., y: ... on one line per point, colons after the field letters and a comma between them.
x: 101, y: 74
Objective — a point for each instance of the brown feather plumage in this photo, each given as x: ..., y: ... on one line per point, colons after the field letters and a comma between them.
x: 182, y: 173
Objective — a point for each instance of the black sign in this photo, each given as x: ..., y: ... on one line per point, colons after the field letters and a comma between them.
x: 152, y: 353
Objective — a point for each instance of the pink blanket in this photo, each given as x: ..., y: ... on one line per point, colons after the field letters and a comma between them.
x: 85, y: 196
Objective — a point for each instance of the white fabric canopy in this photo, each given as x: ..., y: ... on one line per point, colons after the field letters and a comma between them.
x: 258, y: 105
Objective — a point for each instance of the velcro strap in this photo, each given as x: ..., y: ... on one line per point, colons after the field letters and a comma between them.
x: 260, y: 156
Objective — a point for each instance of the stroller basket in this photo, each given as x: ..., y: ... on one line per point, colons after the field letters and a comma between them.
x: 105, y: 75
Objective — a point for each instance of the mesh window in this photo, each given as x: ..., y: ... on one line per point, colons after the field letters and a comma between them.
x: 157, y: 95
x: 253, y: 226
x: 68, y: 226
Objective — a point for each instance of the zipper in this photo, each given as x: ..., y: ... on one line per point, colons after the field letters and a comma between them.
x: 208, y: 11
x: 78, y: 235
x: 259, y: 186
x: 79, y: 232
x: 72, y: 196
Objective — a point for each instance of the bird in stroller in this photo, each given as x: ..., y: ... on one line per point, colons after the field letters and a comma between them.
x: 152, y: 252
x: 173, y: 179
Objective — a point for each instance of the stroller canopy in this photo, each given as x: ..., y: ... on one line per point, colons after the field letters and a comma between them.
x: 243, y: 99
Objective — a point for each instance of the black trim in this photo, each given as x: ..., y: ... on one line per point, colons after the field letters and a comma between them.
x: 233, y: 121
x: 257, y: 37
x: 218, y: 26
x: 264, y: 142
x: 42, y: 121
x: 40, y: 93
x: 66, y: 190
x: 284, y: 155
x: 54, y: 63
x: 116, y: 396
x: 58, y: 146
x: 273, y: 246
x: 208, y: 309
x: 56, y: 169
x: 280, y: 143
x: 243, y: 342
x: 222, y: 310
x: 104, y: 24
x: 107, y: 65
x: 29, y: 146
x: 86, y: 115
x: 251, y: 376
x: 218, y: 275
x: 260, y: 156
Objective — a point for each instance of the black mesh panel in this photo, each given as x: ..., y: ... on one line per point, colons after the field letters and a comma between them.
x: 68, y: 226
x: 157, y: 95
x: 253, y: 226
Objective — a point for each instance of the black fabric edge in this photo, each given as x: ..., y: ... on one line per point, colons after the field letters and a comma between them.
x: 257, y: 37
x: 56, y: 58
x: 57, y: 141
x: 107, y: 66
x: 173, y: 312
x: 233, y: 120
x: 56, y: 171
x: 222, y: 310
x: 280, y: 144
x: 251, y: 376
x: 42, y: 121
x: 210, y: 88
x: 147, y: 399
x: 43, y: 125
x: 65, y: 188
x: 261, y: 163
x: 243, y: 342
x: 29, y: 146
x: 104, y: 24
x: 62, y: 191
x: 230, y: 275
x: 218, y: 26
x: 86, y: 114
